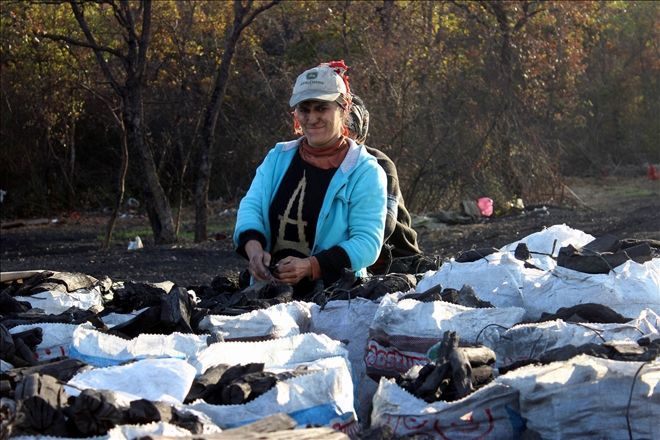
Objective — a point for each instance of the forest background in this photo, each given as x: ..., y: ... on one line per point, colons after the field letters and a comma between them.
x: 175, y: 103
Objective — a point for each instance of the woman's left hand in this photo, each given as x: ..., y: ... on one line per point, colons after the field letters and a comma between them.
x: 291, y: 270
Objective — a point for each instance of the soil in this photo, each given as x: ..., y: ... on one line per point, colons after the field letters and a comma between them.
x: 623, y: 207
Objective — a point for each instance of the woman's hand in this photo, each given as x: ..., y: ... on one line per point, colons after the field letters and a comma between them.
x: 291, y: 270
x: 259, y: 261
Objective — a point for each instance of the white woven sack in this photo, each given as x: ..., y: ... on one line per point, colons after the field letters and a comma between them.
x: 496, y: 278
x: 490, y: 412
x: 56, y: 338
x: 628, y: 289
x: 166, y: 380
x: 587, y: 397
x: 101, y: 349
x: 529, y: 341
x: 277, y: 321
x: 272, y: 353
x: 403, y: 331
x: 323, y: 397
x: 549, y: 241
x: 348, y: 321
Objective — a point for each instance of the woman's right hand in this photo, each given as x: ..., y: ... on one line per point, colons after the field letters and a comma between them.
x: 259, y: 261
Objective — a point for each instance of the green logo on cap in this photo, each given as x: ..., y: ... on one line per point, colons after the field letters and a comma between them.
x: 312, y: 75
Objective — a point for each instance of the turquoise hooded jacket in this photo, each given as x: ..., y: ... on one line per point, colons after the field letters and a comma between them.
x: 353, y: 212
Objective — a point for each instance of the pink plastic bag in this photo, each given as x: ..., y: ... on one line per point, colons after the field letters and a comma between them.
x: 485, y: 205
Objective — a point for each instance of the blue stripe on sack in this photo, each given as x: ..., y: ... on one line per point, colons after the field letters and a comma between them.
x: 98, y: 361
x: 320, y: 415
x: 95, y: 361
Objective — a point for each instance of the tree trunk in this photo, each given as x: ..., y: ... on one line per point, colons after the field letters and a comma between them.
x: 208, y: 139
x: 243, y: 16
x: 157, y: 204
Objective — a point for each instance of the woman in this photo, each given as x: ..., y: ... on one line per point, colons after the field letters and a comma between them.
x: 317, y: 205
x: 400, y: 238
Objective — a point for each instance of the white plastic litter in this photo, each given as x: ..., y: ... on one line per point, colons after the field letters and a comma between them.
x: 135, y: 244
x: 497, y: 278
x: 403, y: 331
x: 529, y: 341
x: 587, y: 397
x: 490, y: 412
x: 323, y: 397
x: 101, y: 349
x: 166, y: 380
x: 628, y: 289
x: 276, y: 352
x: 55, y: 302
x: 277, y: 321
x: 549, y: 241
x: 56, y: 338
x: 349, y: 321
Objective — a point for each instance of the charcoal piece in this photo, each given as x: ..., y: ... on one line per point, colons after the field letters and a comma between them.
x: 413, y: 264
x: 5, y: 388
x: 210, y: 377
x: 186, y: 420
x: 481, y: 376
x: 439, y: 353
x: 175, y: 310
x: 465, y: 297
x: 7, y: 347
x: 569, y: 351
x: 134, y: 296
x: 28, y: 283
x: 24, y: 353
x: 144, y: 411
x: 146, y: 322
x: 517, y: 364
x: 236, y: 393
x: 224, y: 284
x: 461, y: 373
x: 237, y: 371
x: 62, y: 370
x: 522, y: 252
x: 590, y: 259
x: 41, y: 400
x: 31, y: 338
x: 7, y: 416
x: 72, y: 315
x: 9, y: 304
x: 474, y: 254
x: 94, y: 412
x: 378, y: 287
x: 588, y: 312
x: 431, y: 295
x: 435, y: 383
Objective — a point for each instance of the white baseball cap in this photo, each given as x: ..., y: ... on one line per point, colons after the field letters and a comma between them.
x: 320, y: 83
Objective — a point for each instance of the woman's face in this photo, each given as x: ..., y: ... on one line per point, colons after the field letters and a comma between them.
x: 321, y: 122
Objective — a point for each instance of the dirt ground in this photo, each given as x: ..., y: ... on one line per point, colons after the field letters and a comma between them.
x: 624, y: 207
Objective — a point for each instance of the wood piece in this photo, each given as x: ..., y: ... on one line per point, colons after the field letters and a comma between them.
x: 5, y: 277
x: 275, y: 427
x: 461, y: 373
x: 479, y: 356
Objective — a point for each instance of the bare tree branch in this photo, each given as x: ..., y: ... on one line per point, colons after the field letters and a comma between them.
x: 80, y: 17
x: 74, y: 42
x: 252, y: 15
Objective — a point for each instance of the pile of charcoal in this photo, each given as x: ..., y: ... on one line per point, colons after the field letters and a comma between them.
x: 453, y: 373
